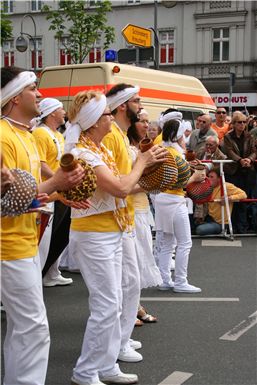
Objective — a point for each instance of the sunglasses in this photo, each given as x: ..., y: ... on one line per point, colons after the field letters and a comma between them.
x: 221, y: 112
x: 201, y: 121
x: 107, y: 114
x: 240, y: 121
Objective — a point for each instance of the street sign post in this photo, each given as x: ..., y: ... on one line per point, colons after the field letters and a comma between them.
x: 129, y: 55
x: 138, y: 36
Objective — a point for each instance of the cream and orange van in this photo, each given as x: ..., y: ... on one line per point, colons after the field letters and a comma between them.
x: 159, y: 90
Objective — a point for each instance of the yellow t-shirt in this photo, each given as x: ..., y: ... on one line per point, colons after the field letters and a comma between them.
x: 214, y: 208
x: 103, y: 222
x: 158, y: 139
x: 47, y: 149
x: 117, y: 142
x: 19, y: 234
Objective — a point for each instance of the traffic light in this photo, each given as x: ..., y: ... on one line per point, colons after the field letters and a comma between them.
x: 111, y: 55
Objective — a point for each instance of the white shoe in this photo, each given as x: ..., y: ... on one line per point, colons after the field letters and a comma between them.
x: 186, y: 288
x: 77, y: 382
x: 121, y: 378
x: 135, y: 344
x: 166, y: 286
x: 58, y: 281
x: 130, y: 355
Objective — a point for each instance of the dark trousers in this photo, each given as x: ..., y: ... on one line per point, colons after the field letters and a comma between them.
x: 60, y: 234
x: 245, y: 180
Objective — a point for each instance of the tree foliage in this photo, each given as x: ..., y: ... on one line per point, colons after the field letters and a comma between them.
x: 6, y: 28
x: 82, y: 25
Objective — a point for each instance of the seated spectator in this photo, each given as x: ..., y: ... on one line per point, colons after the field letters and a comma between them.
x: 220, y: 126
x: 153, y: 130
x: 211, y: 151
x: 239, y: 146
x: 213, y: 221
x: 199, y: 135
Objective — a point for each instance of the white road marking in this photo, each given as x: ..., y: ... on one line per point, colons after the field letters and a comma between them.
x: 176, y: 378
x: 188, y: 299
x: 241, y: 328
x: 221, y: 242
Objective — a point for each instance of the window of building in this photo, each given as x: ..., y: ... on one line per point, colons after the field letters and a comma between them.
x: 36, y: 54
x: 166, y: 42
x: 8, y: 53
x: 8, y: 6
x: 65, y: 57
x: 133, y: 1
x: 95, y: 54
x: 92, y: 3
x: 220, y: 51
x: 36, y: 5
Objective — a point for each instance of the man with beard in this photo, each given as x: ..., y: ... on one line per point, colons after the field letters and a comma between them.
x: 26, y: 345
x: 124, y: 102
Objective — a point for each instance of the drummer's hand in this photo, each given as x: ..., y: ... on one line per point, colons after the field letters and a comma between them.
x: 6, y: 179
x: 42, y: 199
x: 154, y: 155
x: 82, y: 205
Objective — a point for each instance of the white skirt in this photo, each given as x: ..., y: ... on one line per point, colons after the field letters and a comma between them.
x: 166, y: 206
x: 149, y: 272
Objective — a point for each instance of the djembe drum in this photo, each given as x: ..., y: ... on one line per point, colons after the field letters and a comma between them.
x: 20, y: 194
x: 159, y: 177
x: 200, y: 192
x: 87, y: 187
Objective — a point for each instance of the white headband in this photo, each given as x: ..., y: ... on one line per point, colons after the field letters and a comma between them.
x: 48, y: 105
x: 86, y: 118
x: 174, y: 115
x: 121, y: 97
x: 181, y: 130
x: 16, y: 86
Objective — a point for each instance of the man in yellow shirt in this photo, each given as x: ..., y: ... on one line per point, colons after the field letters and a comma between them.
x: 124, y: 102
x: 26, y: 345
x: 213, y: 221
x: 50, y: 145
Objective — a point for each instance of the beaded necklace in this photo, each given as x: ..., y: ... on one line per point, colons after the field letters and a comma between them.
x: 122, y: 217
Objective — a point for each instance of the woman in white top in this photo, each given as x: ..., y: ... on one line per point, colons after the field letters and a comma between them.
x: 149, y: 272
x: 171, y: 214
x: 96, y: 235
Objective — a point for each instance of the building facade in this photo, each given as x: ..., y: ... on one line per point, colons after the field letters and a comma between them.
x: 205, y: 39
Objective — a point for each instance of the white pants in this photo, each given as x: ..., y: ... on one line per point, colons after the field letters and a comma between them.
x: 130, y: 288
x: 181, y: 236
x: 26, y: 345
x: 99, y: 258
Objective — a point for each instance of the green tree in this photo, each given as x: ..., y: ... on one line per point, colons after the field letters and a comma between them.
x: 82, y: 25
x: 6, y: 28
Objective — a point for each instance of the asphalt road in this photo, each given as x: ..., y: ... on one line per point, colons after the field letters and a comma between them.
x: 201, y: 339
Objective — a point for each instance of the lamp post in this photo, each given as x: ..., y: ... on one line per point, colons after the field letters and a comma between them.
x: 166, y: 4
x: 22, y: 43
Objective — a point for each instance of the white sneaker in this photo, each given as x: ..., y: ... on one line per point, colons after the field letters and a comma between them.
x: 186, y: 288
x: 135, y: 344
x: 121, y: 378
x: 130, y: 355
x: 77, y: 382
x: 166, y: 286
x: 58, y: 281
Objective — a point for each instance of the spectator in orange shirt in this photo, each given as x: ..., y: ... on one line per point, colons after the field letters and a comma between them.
x: 220, y: 125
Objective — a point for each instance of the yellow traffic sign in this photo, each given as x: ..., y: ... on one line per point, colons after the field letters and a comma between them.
x: 137, y: 35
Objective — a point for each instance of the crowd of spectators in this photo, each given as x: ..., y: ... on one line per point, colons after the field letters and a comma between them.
x: 228, y: 138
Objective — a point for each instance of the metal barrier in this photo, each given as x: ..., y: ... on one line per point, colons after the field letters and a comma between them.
x: 224, y: 196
